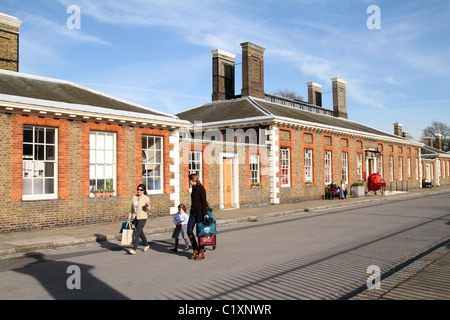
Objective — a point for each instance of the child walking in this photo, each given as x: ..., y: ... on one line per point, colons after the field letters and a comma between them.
x: 180, y: 233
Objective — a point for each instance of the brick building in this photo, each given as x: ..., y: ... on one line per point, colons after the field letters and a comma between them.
x: 282, y: 150
x: 62, y: 142
x: 435, y: 162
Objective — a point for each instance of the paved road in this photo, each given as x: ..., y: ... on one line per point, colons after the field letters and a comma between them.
x: 320, y: 255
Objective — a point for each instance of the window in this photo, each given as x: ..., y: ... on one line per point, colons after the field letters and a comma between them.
x: 195, y: 163
x: 417, y: 169
x: 254, y: 169
x: 400, y: 168
x: 391, y: 168
x: 102, y: 163
x: 39, y: 163
x: 345, y: 166
x: 408, y: 167
x: 359, y: 166
x: 448, y: 168
x: 380, y: 165
x: 328, y: 170
x: 308, y: 165
x: 285, y: 167
x: 152, y: 163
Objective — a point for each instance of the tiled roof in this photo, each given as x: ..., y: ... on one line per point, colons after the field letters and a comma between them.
x: 249, y: 107
x: 28, y: 86
x: 223, y: 111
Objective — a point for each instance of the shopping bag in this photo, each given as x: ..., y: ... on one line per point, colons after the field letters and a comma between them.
x: 125, y: 225
x: 207, y: 240
x: 127, y: 234
x: 206, y: 228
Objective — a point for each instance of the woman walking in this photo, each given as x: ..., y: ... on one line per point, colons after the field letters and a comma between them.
x: 199, y: 206
x: 140, y: 203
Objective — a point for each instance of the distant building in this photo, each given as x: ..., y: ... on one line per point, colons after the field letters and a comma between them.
x: 62, y: 143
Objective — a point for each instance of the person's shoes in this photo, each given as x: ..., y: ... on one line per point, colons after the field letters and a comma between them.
x: 146, y: 248
x: 194, y: 255
x: 186, y: 248
x: 174, y: 249
x: 201, y: 255
x: 132, y: 251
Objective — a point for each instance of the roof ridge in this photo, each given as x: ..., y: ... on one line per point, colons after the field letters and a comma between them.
x: 253, y: 102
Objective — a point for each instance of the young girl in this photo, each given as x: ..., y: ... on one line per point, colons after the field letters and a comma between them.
x: 180, y: 220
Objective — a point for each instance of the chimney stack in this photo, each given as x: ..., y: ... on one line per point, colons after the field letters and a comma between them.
x: 252, y: 70
x: 223, y: 75
x: 428, y: 141
x: 398, y: 129
x: 339, y: 98
x: 438, y: 141
x: 314, y: 94
x: 9, y: 42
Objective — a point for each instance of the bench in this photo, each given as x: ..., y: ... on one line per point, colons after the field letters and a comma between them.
x: 331, y: 192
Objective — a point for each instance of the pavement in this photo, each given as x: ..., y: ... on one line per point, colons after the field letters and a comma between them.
x: 429, y: 275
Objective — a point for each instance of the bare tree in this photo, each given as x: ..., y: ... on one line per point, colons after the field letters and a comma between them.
x: 286, y: 93
x: 438, y: 127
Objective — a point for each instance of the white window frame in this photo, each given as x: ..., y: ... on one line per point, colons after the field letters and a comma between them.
x: 196, y: 163
x: 285, y: 167
x: 359, y: 166
x: 391, y: 168
x: 408, y: 167
x: 328, y: 169
x: 102, y: 161
x: 254, y: 169
x: 345, y: 166
x: 35, y: 169
x: 417, y: 169
x: 380, y: 165
x: 400, y: 168
x: 153, y: 160
x: 309, y: 165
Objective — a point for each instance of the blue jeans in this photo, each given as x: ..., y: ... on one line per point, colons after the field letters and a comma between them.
x: 194, y: 218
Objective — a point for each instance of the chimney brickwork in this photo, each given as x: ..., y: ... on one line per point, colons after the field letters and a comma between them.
x: 428, y: 141
x: 314, y: 94
x: 252, y: 70
x: 438, y: 143
x: 223, y: 75
x: 339, y: 98
x: 9, y: 42
x: 398, y: 129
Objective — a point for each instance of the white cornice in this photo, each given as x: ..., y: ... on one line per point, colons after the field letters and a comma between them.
x: 89, y: 113
x: 10, y: 20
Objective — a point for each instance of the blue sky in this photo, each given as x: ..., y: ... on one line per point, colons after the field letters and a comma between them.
x: 158, y: 53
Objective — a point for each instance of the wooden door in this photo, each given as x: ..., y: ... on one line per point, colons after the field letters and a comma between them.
x: 227, y: 183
